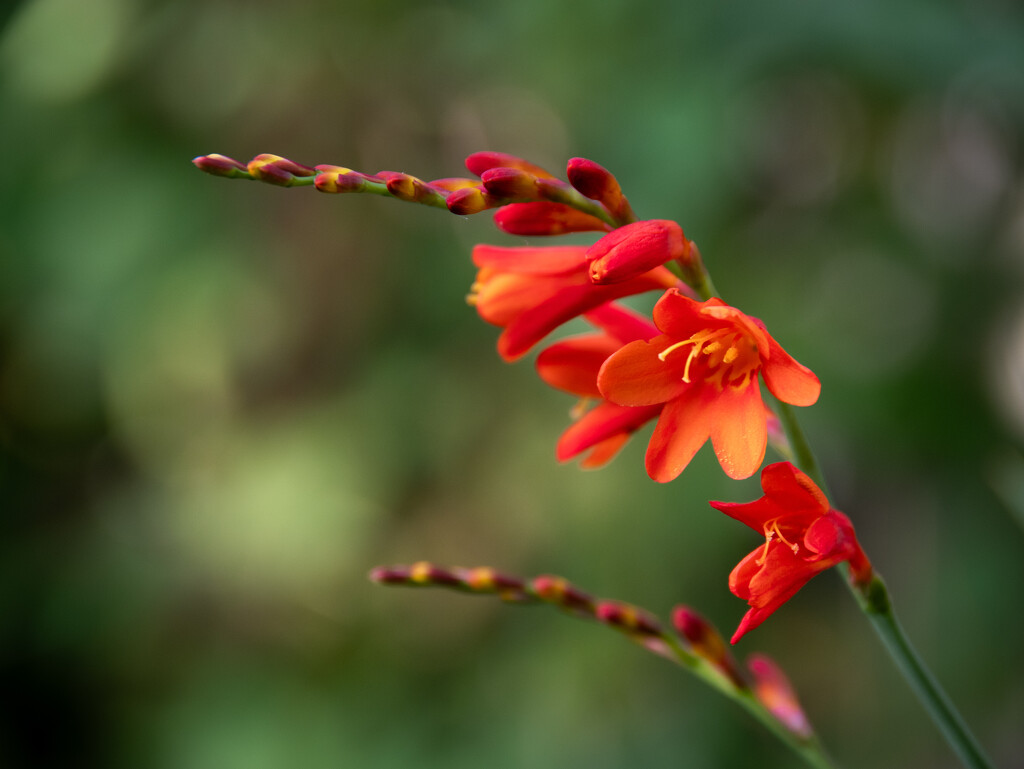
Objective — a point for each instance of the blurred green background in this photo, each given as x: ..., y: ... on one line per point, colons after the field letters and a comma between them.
x: 221, y: 403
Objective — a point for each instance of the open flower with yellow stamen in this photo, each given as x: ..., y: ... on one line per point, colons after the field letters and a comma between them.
x: 705, y: 368
x: 803, y: 535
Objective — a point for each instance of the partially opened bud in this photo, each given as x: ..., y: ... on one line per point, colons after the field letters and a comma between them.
x: 221, y: 165
x: 278, y: 170
x: 634, y: 249
x: 479, y: 162
x: 705, y: 641
x: 775, y: 692
x: 545, y: 218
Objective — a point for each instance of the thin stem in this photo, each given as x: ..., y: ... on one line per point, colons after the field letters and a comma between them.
x: 873, y: 599
x: 798, y: 444
x: 809, y: 748
x: 875, y: 602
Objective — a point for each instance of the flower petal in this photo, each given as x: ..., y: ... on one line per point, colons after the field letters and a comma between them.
x: 605, y: 451
x: 677, y: 315
x: 792, y: 490
x: 602, y: 422
x: 636, y: 376
x: 739, y: 430
x: 682, y: 429
x: 622, y: 323
x: 789, y: 381
x: 572, y: 364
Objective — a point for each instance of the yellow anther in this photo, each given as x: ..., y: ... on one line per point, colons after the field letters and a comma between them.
x: 771, y: 531
x: 580, y: 408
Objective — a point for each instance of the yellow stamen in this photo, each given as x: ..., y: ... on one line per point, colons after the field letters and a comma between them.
x: 771, y: 531
x: 731, y: 356
x: 580, y: 408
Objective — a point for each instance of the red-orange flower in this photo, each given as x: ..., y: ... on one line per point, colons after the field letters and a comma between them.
x: 704, y: 368
x: 572, y: 364
x: 529, y: 292
x: 803, y: 536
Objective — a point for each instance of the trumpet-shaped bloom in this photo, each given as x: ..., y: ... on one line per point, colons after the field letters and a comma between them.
x: 529, y: 292
x: 803, y: 535
x: 572, y: 365
x: 705, y: 369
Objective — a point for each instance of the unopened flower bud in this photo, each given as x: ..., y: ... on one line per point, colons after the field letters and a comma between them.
x: 627, y: 618
x: 509, y: 183
x: 561, y: 592
x: 411, y: 189
x: 597, y: 183
x: 775, y: 692
x: 545, y: 218
x: 479, y: 162
x: 221, y: 165
x: 451, y: 184
x: 471, y: 200
x: 421, y: 573
x: 705, y: 641
x: 278, y: 170
x: 634, y: 249
x: 338, y: 179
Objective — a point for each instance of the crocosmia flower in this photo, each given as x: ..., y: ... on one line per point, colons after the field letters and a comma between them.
x: 571, y: 365
x: 803, y: 535
x: 705, y: 368
x: 529, y: 292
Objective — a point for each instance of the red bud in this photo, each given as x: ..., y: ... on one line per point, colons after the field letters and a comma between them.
x: 634, y: 249
x: 509, y: 183
x: 776, y: 693
x: 545, y: 218
x: 479, y: 162
x: 220, y: 165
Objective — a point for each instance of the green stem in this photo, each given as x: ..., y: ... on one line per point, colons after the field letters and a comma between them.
x: 798, y: 445
x: 808, y: 748
x: 874, y: 601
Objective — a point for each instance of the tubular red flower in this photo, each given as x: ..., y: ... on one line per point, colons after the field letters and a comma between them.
x: 531, y: 291
x: 636, y: 248
x: 572, y: 364
x: 545, y: 218
x: 704, y: 370
x: 803, y: 536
